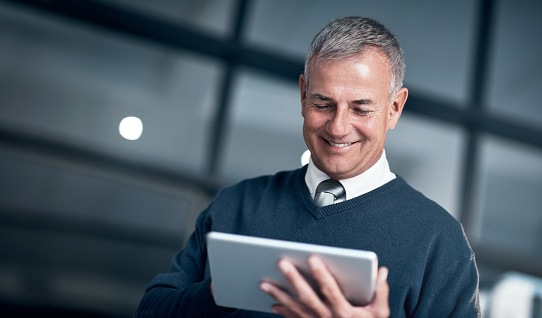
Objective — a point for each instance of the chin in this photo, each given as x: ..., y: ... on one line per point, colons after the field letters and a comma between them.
x: 337, y: 173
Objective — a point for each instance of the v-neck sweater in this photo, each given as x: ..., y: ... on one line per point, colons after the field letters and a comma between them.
x: 432, y: 269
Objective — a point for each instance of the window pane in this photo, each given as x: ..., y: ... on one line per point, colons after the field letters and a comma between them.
x: 208, y: 15
x: 265, y: 135
x: 510, y: 199
x: 429, y: 156
x: 75, y: 84
x: 516, y: 80
x: 47, y: 188
x: 436, y: 36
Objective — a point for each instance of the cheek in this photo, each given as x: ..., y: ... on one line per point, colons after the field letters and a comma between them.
x: 372, y: 128
x: 313, y: 122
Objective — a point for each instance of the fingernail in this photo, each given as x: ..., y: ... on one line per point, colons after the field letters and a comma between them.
x: 284, y: 266
x: 385, y: 274
x: 265, y: 287
x: 314, y: 262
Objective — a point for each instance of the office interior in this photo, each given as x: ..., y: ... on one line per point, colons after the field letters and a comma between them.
x: 88, y: 217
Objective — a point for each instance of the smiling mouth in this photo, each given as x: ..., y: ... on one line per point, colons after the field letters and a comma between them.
x: 339, y: 145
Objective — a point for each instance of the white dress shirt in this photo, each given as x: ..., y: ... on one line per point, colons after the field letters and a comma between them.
x: 374, y: 177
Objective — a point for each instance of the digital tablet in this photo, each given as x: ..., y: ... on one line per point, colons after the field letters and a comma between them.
x: 238, y: 265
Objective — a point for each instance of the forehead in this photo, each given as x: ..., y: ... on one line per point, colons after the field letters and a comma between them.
x: 367, y: 71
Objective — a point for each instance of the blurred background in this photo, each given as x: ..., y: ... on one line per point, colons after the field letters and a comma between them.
x: 89, y: 217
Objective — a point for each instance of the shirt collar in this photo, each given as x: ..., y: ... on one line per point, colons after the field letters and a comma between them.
x: 374, y: 177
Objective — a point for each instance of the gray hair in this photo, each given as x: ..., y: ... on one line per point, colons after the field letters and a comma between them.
x: 350, y: 36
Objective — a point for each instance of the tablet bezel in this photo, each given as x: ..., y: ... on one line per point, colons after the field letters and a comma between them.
x: 239, y: 263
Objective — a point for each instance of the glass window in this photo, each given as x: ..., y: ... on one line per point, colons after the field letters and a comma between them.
x: 207, y: 15
x: 428, y: 155
x: 437, y: 38
x: 75, y: 84
x: 45, y: 188
x: 89, y: 233
x: 516, y: 80
x: 510, y: 197
x: 265, y: 133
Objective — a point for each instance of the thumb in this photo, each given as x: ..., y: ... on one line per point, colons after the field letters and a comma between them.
x: 382, y: 292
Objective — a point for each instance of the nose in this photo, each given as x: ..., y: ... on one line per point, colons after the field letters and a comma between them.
x: 339, y: 124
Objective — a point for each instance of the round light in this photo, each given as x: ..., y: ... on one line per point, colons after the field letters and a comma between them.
x: 305, y: 157
x: 131, y: 128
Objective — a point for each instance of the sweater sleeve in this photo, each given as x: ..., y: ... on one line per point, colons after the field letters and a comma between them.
x: 453, y: 294
x: 183, y: 290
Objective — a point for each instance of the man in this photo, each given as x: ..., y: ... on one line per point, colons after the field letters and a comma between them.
x: 351, y: 94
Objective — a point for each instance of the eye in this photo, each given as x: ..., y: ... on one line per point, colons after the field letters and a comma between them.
x: 362, y: 112
x: 321, y: 107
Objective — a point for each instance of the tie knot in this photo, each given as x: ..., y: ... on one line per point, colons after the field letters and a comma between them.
x: 328, y: 191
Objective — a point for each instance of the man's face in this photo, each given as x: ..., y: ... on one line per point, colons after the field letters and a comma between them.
x: 347, y: 113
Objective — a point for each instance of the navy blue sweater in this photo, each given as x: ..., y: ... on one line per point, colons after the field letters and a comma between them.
x: 432, y: 270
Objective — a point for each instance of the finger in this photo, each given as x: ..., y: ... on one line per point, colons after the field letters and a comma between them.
x: 328, y: 284
x: 287, y: 313
x: 382, y: 287
x: 302, y: 288
x: 284, y: 300
x: 382, y: 292
x: 306, y: 295
x: 287, y: 306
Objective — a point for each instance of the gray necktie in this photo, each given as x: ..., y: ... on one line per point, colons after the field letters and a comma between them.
x: 328, y: 191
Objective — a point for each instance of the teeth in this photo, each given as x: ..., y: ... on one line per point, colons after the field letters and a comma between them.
x: 339, y: 145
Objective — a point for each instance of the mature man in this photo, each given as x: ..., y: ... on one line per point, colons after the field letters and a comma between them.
x: 351, y: 94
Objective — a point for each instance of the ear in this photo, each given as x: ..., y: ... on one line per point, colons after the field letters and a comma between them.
x: 303, y: 93
x: 396, y: 107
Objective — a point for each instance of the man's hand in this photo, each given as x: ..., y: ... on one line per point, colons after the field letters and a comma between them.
x: 334, y: 304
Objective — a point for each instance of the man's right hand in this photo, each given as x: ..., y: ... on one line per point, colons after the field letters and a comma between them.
x: 309, y: 304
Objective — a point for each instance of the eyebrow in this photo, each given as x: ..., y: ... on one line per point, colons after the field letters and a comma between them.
x: 326, y: 98
x: 320, y: 96
x: 363, y: 101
